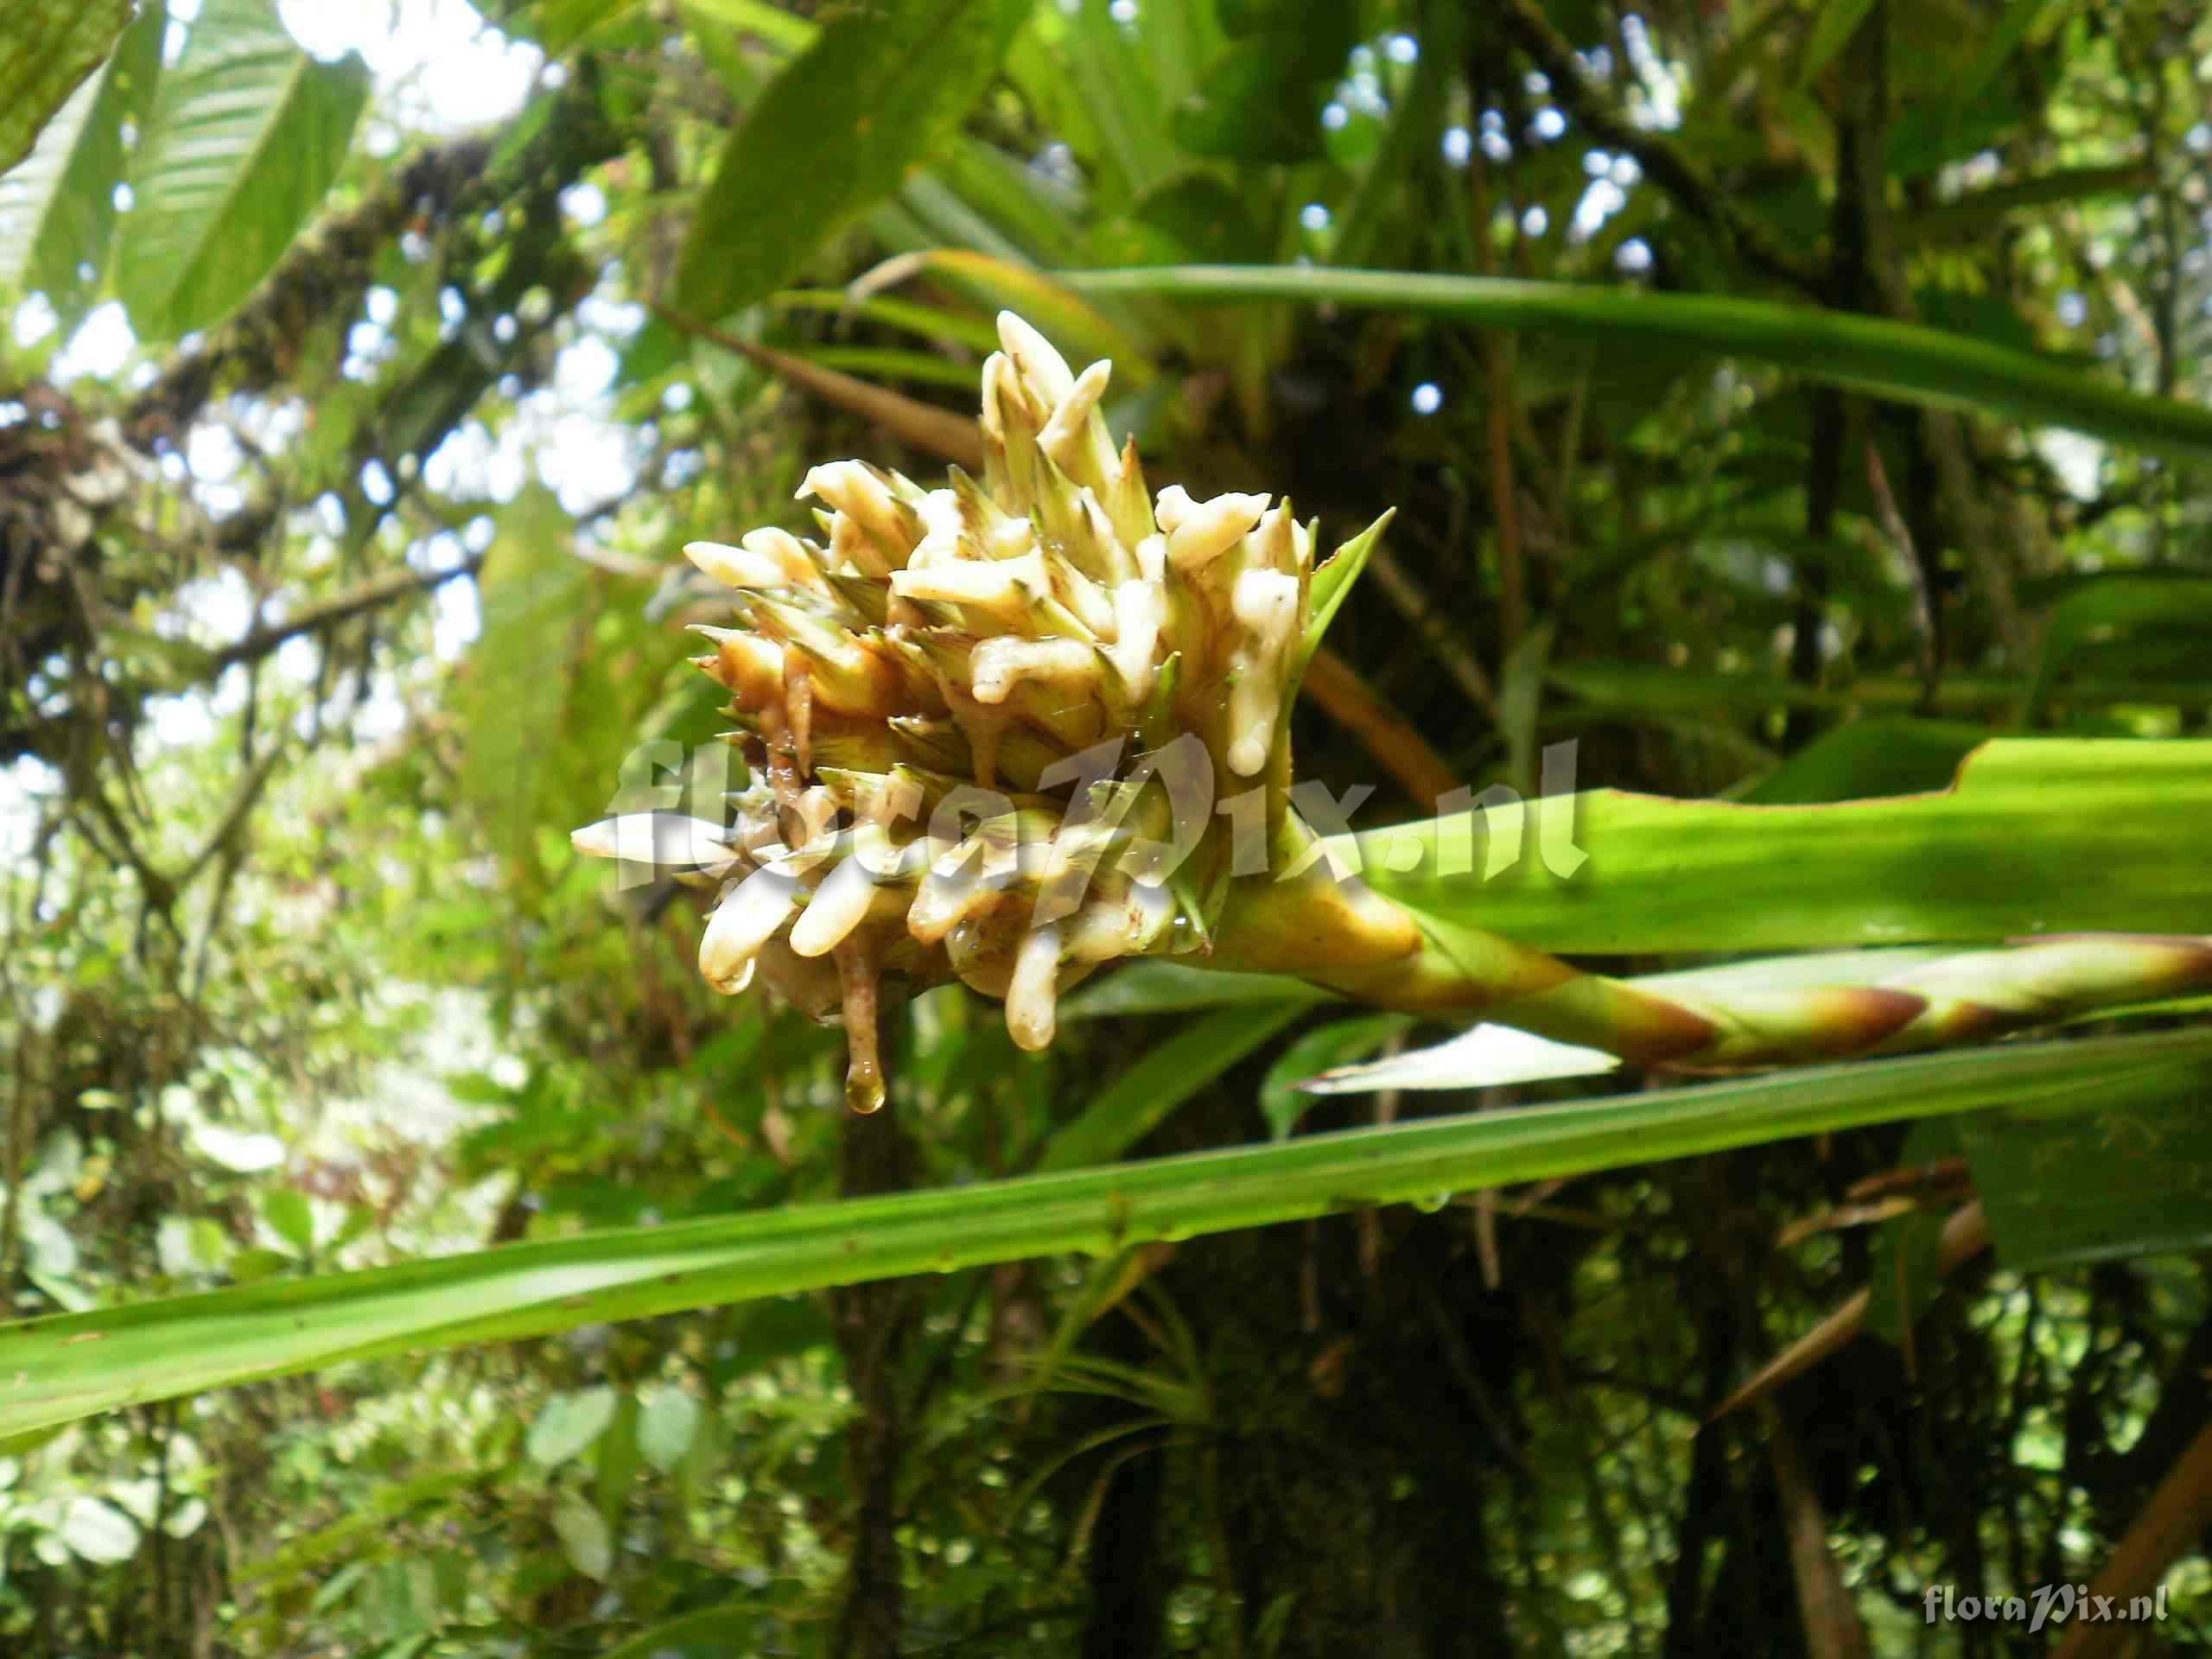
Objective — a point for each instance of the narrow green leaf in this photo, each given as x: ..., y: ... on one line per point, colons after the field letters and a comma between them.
x: 619, y: 1458
x: 57, y: 207
x: 1282, y: 1102
x: 46, y: 52
x: 73, y: 1365
x: 771, y: 24
x: 931, y: 322
x: 879, y: 364
x: 1870, y: 354
x: 850, y: 115
x: 2038, y: 836
x: 1163, y: 1079
x: 248, y: 134
x: 1332, y: 583
x: 1838, y: 21
x: 2011, y: 28
x: 1162, y: 985
x: 1976, y: 213
x: 1905, y: 1268
x: 1651, y: 690
x: 1071, y: 321
x: 711, y: 1632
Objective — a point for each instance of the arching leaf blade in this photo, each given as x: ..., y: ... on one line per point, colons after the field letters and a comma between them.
x: 75, y: 1365
x: 1871, y: 354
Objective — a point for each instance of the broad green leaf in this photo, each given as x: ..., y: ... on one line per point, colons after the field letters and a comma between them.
x: 290, y: 1217
x: 667, y: 1422
x: 46, y: 52
x: 248, y: 134
x: 1871, y: 354
x: 584, y: 1536
x: 568, y: 1424
x: 1869, y: 759
x: 1259, y: 99
x: 57, y: 206
x: 2135, y: 625
x: 521, y: 680
x: 73, y: 1365
x: 1142, y: 1096
x: 2133, y: 1177
x: 850, y: 115
x: 2038, y: 836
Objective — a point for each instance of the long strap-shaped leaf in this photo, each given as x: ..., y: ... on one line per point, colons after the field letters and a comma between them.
x: 2037, y: 835
x: 55, y: 1369
x: 1891, y: 359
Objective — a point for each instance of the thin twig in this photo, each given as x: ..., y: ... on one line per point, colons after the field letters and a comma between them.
x: 1965, y: 1236
x: 379, y: 591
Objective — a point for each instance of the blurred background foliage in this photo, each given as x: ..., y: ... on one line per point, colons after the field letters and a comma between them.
x: 366, y: 367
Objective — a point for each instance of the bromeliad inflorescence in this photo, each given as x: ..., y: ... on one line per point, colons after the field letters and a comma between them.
x: 1011, y: 729
x: 988, y: 723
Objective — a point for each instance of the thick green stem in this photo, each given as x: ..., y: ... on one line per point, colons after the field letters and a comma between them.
x: 1339, y: 933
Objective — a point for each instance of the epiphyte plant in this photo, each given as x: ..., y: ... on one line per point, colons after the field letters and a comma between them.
x: 910, y: 692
